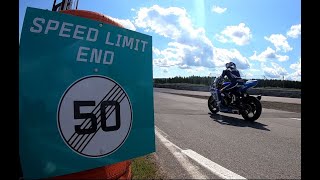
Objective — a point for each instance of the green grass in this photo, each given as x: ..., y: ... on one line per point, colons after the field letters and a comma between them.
x: 145, y: 167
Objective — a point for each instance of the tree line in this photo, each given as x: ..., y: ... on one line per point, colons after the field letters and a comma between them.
x: 206, y: 80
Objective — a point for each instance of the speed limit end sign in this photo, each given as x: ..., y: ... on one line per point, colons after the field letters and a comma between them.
x: 85, y: 94
x: 101, y: 121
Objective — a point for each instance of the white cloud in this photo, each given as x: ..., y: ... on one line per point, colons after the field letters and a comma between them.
x: 167, y: 22
x: 163, y: 62
x: 221, y: 38
x: 246, y: 74
x: 239, y: 34
x: 217, y: 71
x: 296, y: 75
x: 199, y: 69
x: 133, y: 9
x: 269, y: 53
x: 280, y: 42
x: 296, y: 66
x: 126, y: 23
x: 190, y: 71
x: 165, y: 70
x: 254, y: 70
x: 170, y: 56
x: 282, y: 58
x: 190, y: 46
x: 294, y: 31
x: 275, y: 71
x: 251, y: 73
x: 185, y: 55
x: 223, y: 56
x: 196, y: 70
x: 156, y: 51
x: 184, y: 66
x: 218, y: 9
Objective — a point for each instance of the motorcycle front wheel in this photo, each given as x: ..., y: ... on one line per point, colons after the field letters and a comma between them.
x: 252, y: 109
x: 212, y: 105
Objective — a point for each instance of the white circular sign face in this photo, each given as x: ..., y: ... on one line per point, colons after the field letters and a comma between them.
x: 94, y: 116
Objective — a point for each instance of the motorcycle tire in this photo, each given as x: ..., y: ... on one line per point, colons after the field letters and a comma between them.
x: 252, y: 106
x: 212, y: 105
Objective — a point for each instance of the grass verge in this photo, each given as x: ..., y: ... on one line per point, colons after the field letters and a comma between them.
x: 146, y: 167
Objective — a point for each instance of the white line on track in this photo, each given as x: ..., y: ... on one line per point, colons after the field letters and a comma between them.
x: 182, y: 157
x: 212, y: 166
x: 299, y: 119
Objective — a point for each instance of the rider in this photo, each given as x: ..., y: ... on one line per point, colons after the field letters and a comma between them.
x: 234, y: 76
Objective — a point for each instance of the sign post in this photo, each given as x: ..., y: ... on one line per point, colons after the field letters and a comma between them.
x: 85, y: 96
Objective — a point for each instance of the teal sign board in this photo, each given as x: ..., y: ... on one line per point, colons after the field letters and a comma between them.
x: 85, y: 94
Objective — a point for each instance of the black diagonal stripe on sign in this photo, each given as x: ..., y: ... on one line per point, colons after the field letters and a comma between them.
x: 77, y: 142
x: 100, y: 126
x: 87, y: 120
x: 99, y: 122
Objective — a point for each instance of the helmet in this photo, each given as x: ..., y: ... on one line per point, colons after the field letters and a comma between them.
x: 231, y: 65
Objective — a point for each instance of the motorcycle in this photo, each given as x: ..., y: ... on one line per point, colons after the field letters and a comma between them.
x: 237, y: 103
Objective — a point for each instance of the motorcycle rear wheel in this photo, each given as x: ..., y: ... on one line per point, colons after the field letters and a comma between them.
x: 252, y: 109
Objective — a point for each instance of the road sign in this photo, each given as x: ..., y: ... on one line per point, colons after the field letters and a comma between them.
x: 112, y: 110
x: 85, y: 94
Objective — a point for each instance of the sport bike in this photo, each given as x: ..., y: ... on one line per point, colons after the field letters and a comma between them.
x: 238, y: 102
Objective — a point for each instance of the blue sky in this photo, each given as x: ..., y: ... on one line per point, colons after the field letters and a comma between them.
x: 197, y: 37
